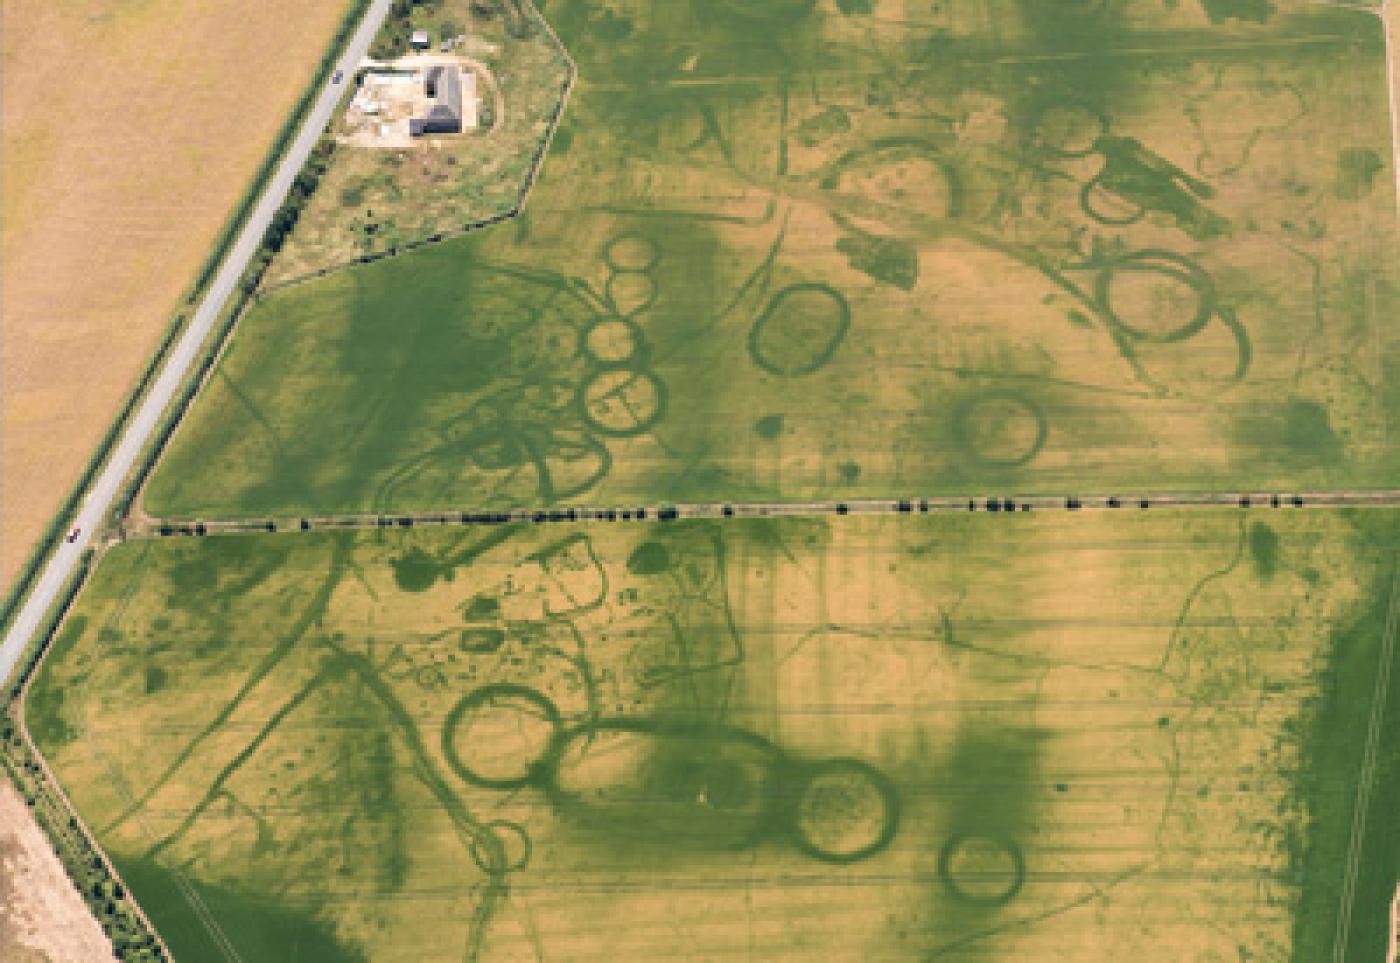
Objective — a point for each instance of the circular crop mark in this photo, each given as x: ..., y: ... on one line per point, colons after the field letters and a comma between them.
x: 908, y: 174
x: 1107, y: 207
x: 630, y: 254
x: 1156, y: 296
x: 1000, y: 429
x: 622, y: 402
x: 982, y: 869
x: 630, y: 293
x: 845, y: 811
x: 1067, y: 128
x: 513, y: 842
x: 799, y: 330
x: 496, y: 736
x: 612, y: 342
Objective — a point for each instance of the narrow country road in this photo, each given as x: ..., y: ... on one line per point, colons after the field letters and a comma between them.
x: 95, y: 504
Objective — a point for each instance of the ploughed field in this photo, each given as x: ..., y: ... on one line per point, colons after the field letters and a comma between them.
x: 794, y: 250
x: 982, y: 737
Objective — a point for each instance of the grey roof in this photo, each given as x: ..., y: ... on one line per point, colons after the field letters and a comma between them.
x: 443, y: 84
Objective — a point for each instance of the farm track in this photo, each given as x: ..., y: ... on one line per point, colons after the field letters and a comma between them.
x: 946, y: 504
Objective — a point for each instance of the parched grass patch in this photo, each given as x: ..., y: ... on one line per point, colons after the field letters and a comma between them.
x: 1024, y: 736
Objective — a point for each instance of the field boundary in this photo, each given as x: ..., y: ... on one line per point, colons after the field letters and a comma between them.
x: 198, y: 527
x: 665, y: 511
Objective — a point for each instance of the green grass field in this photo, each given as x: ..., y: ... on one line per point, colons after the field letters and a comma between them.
x: 784, y: 251
x: 1105, y: 736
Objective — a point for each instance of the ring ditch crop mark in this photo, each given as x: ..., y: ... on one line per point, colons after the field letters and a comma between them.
x: 622, y: 402
x: 882, y: 162
x: 1190, y: 281
x: 630, y: 294
x: 799, y: 329
x: 983, y: 870
x: 614, y: 342
x: 844, y: 811
x: 519, y: 706
x: 1000, y: 428
x: 514, y: 842
x: 631, y: 254
x: 1064, y: 128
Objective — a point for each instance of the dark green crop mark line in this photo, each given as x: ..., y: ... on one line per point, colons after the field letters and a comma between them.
x: 1174, y: 640
x: 478, y: 842
x: 793, y: 259
x: 330, y: 670
x: 341, y: 545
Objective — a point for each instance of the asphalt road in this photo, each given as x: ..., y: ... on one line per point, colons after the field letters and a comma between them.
x: 64, y: 561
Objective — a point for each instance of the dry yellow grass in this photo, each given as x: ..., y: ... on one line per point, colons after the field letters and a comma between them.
x: 130, y: 130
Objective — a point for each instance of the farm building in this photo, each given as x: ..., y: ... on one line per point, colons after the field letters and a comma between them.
x: 442, y: 84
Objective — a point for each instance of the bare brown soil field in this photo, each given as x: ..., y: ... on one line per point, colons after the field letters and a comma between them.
x: 124, y: 150
x: 42, y: 919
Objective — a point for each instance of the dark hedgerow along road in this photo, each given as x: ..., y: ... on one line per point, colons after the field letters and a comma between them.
x: 95, y: 504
